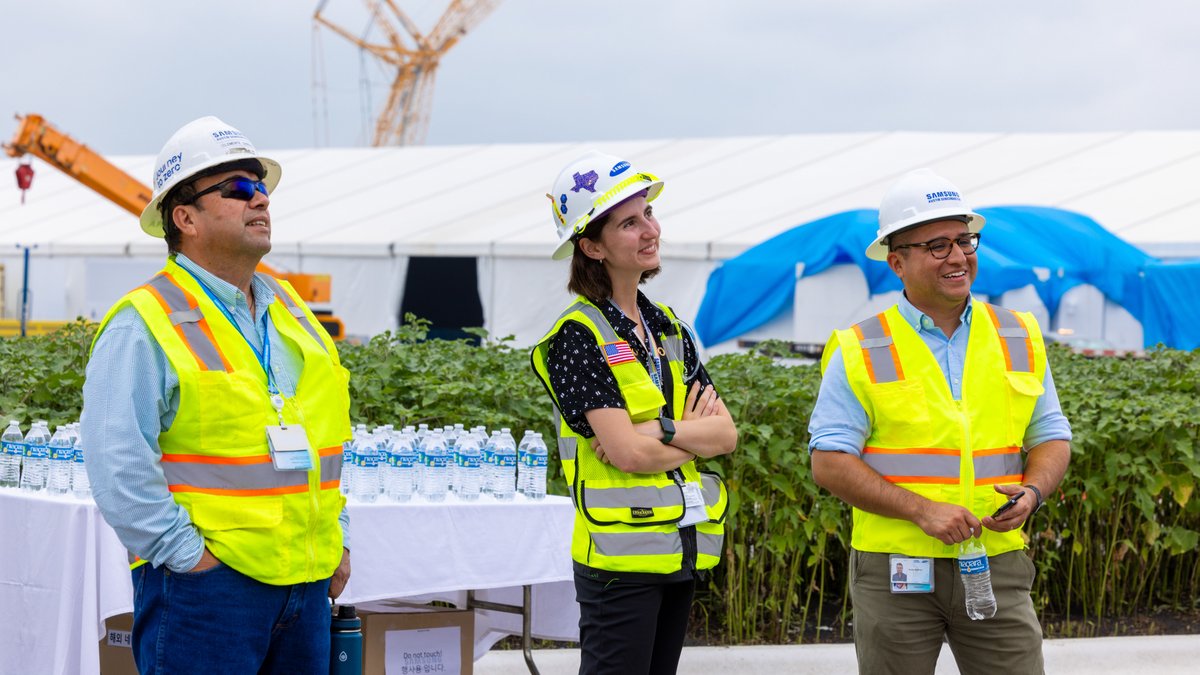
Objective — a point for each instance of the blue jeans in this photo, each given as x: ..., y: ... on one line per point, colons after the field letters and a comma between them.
x: 222, y: 621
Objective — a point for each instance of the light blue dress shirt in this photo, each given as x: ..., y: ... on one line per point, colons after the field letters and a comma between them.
x: 131, y: 395
x: 839, y: 422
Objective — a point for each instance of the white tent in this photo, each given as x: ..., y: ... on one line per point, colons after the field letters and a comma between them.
x: 360, y: 214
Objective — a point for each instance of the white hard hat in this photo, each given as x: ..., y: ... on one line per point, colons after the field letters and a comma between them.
x: 199, y: 145
x: 919, y: 197
x: 588, y: 188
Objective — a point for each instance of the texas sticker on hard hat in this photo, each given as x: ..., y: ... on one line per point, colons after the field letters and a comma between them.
x: 910, y: 575
x: 289, y: 448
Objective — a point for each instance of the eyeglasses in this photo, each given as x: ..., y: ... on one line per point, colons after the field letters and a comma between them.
x: 941, y: 247
x: 238, y: 187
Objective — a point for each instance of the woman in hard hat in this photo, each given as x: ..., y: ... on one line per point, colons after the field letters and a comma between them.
x: 636, y: 410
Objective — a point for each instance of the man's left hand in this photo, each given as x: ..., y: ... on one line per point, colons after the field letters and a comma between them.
x: 340, y: 576
x: 1013, y: 518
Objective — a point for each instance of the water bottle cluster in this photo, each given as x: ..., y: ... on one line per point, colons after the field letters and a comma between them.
x: 38, y: 461
x: 435, y: 464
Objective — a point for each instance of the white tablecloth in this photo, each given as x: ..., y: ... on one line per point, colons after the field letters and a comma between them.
x: 63, y: 571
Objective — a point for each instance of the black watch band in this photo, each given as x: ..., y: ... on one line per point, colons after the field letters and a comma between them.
x: 668, y: 428
x: 1037, y: 493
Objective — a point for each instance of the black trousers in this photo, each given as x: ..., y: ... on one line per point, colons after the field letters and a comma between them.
x: 628, y: 627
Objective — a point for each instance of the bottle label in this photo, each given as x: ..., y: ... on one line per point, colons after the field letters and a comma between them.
x: 79, y: 455
x: 506, y: 460
x: 33, y: 451
x: 59, y: 454
x: 539, y: 461
x: 14, y: 449
x: 973, y: 565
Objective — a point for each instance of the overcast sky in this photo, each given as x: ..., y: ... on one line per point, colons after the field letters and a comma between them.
x: 122, y: 75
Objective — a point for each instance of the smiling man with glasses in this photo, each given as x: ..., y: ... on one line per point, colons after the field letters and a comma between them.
x: 930, y: 416
x: 215, y: 408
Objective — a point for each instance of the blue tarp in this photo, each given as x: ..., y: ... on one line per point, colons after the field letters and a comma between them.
x: 1051, y: 249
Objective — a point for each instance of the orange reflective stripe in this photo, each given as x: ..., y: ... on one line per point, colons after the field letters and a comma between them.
x: 995, y: 480
x: 326, y: 452
x: 1014, y: 335
x: 913, y: 451
x: 211, y: 459
x: 229, y: 492
x: 202, y: 347
x: 937, y: 480
x: 331, y: 484
x: 996, y: 451
x: 879, y: 350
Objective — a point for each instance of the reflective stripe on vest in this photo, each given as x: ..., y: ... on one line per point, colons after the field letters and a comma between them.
x: 594, y: 314
x: 879, y: 350
x: 636, y: 496
x: 709, y: 544
x: 567, y: 447
x: 998, y: 465
x: 244, y: 476
x: 940, y: 466
x: 635, y: 543
x: 1014, y: 339
x: 184, y: 314
x: 710, y: 487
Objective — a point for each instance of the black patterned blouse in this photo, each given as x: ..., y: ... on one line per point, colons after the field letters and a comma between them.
x: 581, y: 377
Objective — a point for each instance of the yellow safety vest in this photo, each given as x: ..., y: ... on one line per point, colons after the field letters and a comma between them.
x: 626, y: 522
x: 925, y: 441
x: 279, y: 527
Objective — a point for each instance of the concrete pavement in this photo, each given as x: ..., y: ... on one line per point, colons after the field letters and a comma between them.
x: 1164, y: 655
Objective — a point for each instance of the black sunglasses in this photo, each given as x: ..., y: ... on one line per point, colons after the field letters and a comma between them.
x: 941, y: 247
x: 238, y: 187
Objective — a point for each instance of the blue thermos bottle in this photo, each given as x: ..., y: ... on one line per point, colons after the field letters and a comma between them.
x: 345, y: 642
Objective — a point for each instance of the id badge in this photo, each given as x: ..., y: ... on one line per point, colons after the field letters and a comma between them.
x: 910, y: 575
x: 289, y: 448
x: 693, y: 499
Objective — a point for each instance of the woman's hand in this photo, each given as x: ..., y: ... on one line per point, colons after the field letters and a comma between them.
x: 701, y: 402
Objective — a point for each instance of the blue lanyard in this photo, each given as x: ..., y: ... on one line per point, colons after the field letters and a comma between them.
x: 264, y: 357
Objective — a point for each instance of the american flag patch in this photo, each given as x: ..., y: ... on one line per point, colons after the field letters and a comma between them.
x: 618, y: 352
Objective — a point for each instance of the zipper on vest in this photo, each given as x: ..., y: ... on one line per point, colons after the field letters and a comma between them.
x: 968, y: 486
x: 687, y: 535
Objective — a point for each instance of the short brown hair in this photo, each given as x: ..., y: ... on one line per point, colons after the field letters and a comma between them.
x: 588, y: 276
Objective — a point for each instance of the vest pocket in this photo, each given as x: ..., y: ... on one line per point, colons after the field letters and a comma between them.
x: 1024, y: 390
x: 216, y: 513
x: 901, y: 415
x: 646, y: 503
x: 234, y: 411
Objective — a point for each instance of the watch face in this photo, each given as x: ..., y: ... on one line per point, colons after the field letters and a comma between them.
x: 668, y: 424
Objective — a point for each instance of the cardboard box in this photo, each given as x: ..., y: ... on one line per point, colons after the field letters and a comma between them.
x: 418, y: 640
x: 116, y: 653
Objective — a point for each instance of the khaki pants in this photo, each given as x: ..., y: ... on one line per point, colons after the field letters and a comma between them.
x: 902, y: 634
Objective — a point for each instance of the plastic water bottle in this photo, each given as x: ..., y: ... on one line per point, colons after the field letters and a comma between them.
x: 506, y: 467
x: 61, y: 458
x: 345, y: 642
x: 347, y: 464
x: 37, y: 456
x: 451, y: 439
x: 382, y: 438
x: 977, y: 579
x: 535, y: 486
x: 467, y: 457
x: 433, y: 486
x: 403, y: 461
x: 523, y: 462
x: 12, y: 451
x: 81, y: 485
x: 488, y: 461
x: 366, y: 468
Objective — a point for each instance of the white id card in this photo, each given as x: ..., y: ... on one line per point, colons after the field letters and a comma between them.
x: 910, y: 575
x: 289, y: 448
x: 693, y: 499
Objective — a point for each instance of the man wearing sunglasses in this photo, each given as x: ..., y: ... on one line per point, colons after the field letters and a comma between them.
x: 215, y: 408
x: 930, y: 416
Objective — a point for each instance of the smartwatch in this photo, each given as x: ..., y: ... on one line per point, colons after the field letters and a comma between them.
x: 668, y: 428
